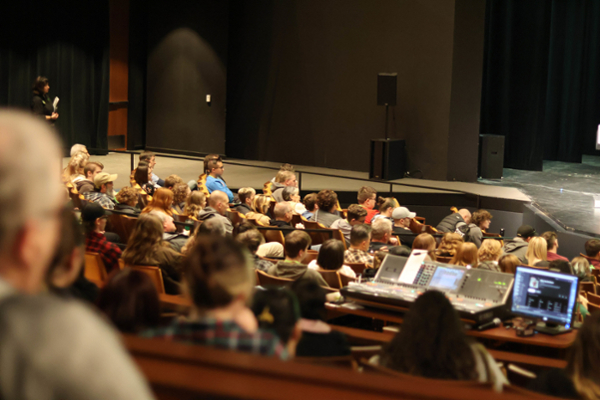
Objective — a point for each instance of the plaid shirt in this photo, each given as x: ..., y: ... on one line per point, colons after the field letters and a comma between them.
x: 222, y: 334
x: 101, y: 198
x: 261, y: 264
x: 96, y: 243
x: 357, y: 256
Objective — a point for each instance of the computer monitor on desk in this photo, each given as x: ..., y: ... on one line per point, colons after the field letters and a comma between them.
x: 547, y: 296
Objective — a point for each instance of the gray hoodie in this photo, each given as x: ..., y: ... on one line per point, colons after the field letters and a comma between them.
x: 209, y: 212
x: 517, y: 247
x: 295, y: 271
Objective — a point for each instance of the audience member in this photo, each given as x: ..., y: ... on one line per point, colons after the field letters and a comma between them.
x: 480, y: 222
x: 90, y: 170
x: 291, y: 194
x: 386, y: 208
x: 268, y: 250
x: 327, y: 201
x: 194, y: 204
x: 318, y: 339
x: 592, y: 249
x: 561, y: 266
x: 296, y: 245
x: 214, y: 180
x: 147, y: 247
x: 150, y: 158
x: 518, y: 245
x: 432, y: 344
x: 170, y: 235
x: 246, y: 196
x: 581, y: 268
x: 142, y: 176
x: 130, y: 301
x: 171, y: 181
x: 94, y: 223
x: 367, y: 198
x: 207, y: 159
x: 552, y: 245
x: 454, y: 221
x: 489, y: 253
x: 449, y: 244
x: 38, y: 332
x: 360, y: 238
x: 579, y: 380
x: 282, y: 179
x: 181, y: 192
x: 260, y: 209
x: 310, y: 203
x: 466, y: 255
x: 381, y: 235
x: 277, y: 311
x: 217, y: 207
x: 78, y: 148
x: 425, y: 241
x: 128, y: 200
x: 103, y: 185
x: 213, y: 226
x: 356, y: 215
x: 252, y: 239
x: 65, y: 276
x: 284, y: 167
x: 220, y: 283
x: 401, y: 217
x: 283, y: 217
x: 331, y: 258
x: 508, y: 263
x: 536, y: 250
x: 75, y: 169
x: 161, y: 202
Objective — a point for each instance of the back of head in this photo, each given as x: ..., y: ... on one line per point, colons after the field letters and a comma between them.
x: 356, y: 212
x: 284, y: 176
x: 450, y: 242
x: 581, y: 268
x: 561, y: 266
x: 281, y: 210
x: 146, y: 237
x: 465, y: 214
x: 261, y: 203
x: 360, y: 233
x: 479, y: 216
x: 213, y: 226
x: 287, y: 167
x: 431, y: 343
x: 127, y: 195
x: 194, y: 203
x: 311, y: 298
x: 309, y: 201
x: 288, y: 192
x: 424, y: 241
x: 246, y: 193
x: 490, y: 250
x: 327, y: 200
x: 217, y: 272
x: 251, y: 239
x: 217, y: 197
x: 146, y: 156
x: 180, y: 193
x: 331, y: 255
x: 584, y: 357
x: 295, y: 242
x: 141, y: 175
x: 76, y: 148
x: 24, y: 137
x: 550, y: 238
x: 388, y: 203
x: 536, y: 250
x: 380, y: 227
x: 466, y: 254
x: 276, y: 310
x: 592, y: 247
x: 508, y: 263
x: 172, y: 180
x: 365, y: 193
x: 161, y: 201
x: 130, y: 300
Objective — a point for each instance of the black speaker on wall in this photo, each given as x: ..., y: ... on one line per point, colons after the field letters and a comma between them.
x: 386, y: 89
x: 491, y: 156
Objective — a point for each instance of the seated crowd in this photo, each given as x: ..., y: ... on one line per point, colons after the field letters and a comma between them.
x: 216, y: 265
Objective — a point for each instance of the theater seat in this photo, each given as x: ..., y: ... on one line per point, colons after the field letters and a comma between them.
x: 154, y: 273
x: 95, y: 270
x: 265, y: 279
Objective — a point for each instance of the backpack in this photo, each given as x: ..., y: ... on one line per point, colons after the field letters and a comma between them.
x: 463, y: 229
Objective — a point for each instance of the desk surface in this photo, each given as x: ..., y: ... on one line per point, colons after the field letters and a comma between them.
x: 501, y: 334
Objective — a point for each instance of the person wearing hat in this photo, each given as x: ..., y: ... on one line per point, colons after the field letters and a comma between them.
x: 402, y: 217
x: 103, y: 184
x: 94, y: 218
x: 518, y: 246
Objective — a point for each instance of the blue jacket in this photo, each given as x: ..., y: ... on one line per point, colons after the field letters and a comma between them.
x: 213, y: 184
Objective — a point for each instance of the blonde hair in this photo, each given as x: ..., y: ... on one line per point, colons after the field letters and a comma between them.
x: 261, y: 204
x: 194, y: 203
x: 490, y: 250
x: 537, y: 250
x: 449, y: 244
x: 75, y: 167
x: 466, y: 254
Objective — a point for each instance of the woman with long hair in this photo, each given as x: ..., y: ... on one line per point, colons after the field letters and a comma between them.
x: 425, y: 241
x: 161, y: 201
x: 466, y: 255
x: 142, y: 176
x: 194, y: 204
x: 147, y: 247
x: 489, y: 253
x: 219, y: 280
x: 260, y: 209
x: 449, y: 244
x: 537, y: 250
x: 74, y: 170
x: 508, y: 263
x: 181, y: 192
x: 432, y: 344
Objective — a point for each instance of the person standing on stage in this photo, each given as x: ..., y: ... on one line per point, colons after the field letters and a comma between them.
x: 40, y: 103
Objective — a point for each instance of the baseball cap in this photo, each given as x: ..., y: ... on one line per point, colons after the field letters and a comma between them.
x: 103, y: 178
x: 402, y: 212
x: 526, y: 231
x: 92, y: 212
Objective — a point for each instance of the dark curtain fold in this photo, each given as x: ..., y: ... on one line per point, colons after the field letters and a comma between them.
x: 68, y: 42
x: 540, y: 81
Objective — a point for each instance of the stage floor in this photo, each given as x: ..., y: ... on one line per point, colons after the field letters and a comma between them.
x: 563, y: 191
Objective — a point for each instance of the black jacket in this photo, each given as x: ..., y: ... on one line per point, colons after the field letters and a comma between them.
x: 449, y: 223
x: 42, y: 106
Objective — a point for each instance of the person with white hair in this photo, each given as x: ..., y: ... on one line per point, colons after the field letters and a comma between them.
x: 49, y: 347
x: 381, y: 235
x: 79, y: 148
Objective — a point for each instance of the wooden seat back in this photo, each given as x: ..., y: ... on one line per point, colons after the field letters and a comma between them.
x: 296, y: 219
x: 115, y: 225
x: 593, y: 308
x: 338, y: 361
x: 95, y: 270
x: 332, y: 278
x: 358, y: 268
x: 588, y: 287
x: 273, y: 236
x: 128, y: 225
x: 309, y: 256
x: 416, y: 227
x: 593, y: 298
x: 272, y: 205
x: 154, y: 273
x: 265, y: 279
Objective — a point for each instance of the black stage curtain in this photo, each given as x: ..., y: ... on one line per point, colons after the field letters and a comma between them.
x: 68, y: 42
x: 541, y: 80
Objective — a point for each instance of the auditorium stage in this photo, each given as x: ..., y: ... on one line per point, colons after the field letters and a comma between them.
x: 563, y: 191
